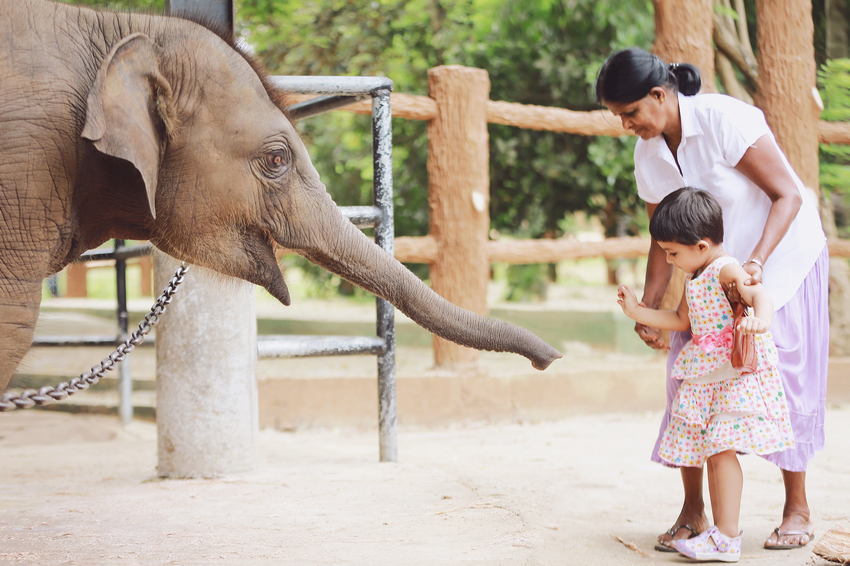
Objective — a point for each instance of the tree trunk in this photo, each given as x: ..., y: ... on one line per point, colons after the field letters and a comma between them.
x: 786, y: 91
x: 683, y: 34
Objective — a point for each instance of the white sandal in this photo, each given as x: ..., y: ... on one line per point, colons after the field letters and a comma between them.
x: 710, y: 545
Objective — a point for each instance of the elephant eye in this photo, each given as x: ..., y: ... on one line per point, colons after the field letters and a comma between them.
x: 276, y: 162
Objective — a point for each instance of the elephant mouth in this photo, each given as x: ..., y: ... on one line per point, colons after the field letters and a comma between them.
x: 266, y: 272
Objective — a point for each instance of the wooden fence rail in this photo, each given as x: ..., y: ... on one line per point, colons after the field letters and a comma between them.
x: 531, y: 117
x: 424, y: 249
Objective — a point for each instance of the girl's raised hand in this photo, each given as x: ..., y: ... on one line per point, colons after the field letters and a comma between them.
x: 627, y: 299
x: 753, y: 325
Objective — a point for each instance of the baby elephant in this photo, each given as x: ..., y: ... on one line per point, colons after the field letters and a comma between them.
x: 144, y: 127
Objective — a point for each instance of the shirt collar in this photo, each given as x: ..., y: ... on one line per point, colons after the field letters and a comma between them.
x: 690, y: 125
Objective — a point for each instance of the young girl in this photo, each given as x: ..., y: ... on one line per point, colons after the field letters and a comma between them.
x: 717, y: 412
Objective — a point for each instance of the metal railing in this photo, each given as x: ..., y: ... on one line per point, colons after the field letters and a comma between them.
x: 334, y: 92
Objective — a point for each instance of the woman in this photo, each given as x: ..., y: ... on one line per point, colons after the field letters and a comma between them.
x: 724, y: 146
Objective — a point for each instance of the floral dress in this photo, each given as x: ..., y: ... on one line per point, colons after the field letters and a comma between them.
x: 716, y: 409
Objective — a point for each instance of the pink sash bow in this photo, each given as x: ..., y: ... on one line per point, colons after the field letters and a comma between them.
x: 708, y: 342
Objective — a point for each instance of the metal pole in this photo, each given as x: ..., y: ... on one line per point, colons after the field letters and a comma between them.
x: 382, y: 156
x: 125, y: 380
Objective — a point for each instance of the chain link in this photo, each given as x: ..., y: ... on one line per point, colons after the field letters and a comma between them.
x: 30, y: 397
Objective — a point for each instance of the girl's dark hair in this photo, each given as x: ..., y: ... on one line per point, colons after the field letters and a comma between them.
x: 687, y: 216
x: 629, y: 75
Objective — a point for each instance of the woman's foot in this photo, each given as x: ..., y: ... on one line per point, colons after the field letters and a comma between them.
x: 712, y: 545
x: 687, y: 526
x: 796, y: 531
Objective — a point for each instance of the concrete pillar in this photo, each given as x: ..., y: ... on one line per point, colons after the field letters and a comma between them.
x: 206, y: 390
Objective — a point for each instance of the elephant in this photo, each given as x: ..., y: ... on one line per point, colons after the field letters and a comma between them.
x: 153, y: 127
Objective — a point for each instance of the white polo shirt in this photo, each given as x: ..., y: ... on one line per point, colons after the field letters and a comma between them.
x: 716, y: 132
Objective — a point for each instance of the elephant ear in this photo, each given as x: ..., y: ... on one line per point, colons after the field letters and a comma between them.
x: 128, y: 107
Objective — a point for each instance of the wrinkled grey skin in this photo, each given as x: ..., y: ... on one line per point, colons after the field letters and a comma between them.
x: 153, y: 128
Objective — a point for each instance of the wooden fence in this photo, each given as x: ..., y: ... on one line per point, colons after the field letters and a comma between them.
x: 458, y: 249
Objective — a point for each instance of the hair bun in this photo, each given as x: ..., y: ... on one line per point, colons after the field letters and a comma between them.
x: 687, y: 76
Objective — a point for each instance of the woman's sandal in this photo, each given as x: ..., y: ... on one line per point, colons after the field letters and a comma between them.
x: 664, y: 547
x: 810, y: 536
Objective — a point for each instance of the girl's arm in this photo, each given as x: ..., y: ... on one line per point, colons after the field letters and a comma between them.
x: 762, y: 164
x: 666, y: 320
x: 755, y: 295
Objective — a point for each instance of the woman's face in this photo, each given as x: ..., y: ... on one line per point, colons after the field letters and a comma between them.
x: 646, y: 117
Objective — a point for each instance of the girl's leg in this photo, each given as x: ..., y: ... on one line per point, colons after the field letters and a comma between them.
x: 692, y: 513
x: 725, y: 484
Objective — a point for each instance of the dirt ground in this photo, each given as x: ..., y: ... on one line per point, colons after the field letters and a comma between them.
x: 78, y: 489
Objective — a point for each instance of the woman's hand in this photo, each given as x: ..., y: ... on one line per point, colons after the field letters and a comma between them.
x: 755, y: 272
x: 753, y: 325
x: 651, y: 336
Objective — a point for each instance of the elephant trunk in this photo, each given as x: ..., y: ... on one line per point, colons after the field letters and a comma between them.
x: 347, y: 252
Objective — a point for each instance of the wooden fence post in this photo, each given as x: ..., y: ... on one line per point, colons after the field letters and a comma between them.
x: 459, y: 196
x: 76, y: 280
x: 146, y: 265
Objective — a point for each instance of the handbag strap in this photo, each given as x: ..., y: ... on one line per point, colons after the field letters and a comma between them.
x: 736, y: 301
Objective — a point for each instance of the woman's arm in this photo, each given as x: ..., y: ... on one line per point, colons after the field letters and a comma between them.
x: 762, y: 164
x: 668, y: 320
x: 658, y: 274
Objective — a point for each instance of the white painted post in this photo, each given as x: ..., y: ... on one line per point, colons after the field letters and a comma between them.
x: 206, y: 388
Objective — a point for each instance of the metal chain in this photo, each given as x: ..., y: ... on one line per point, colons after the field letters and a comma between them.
x: 30, y: 398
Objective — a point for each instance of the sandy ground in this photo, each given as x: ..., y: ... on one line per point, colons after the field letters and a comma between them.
x: 81, y: 490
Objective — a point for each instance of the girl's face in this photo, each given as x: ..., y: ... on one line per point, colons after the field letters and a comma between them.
x: 647, y: 117
x: 689, y: 259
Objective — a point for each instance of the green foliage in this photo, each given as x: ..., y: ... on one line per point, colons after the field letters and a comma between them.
x: 548, y: 53
x: 526, y: 283
x: 834, y: 79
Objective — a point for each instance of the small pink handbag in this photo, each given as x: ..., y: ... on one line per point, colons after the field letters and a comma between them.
x: 744, y: 356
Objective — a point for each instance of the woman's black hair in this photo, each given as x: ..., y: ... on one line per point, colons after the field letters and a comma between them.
x: 687, y: 216
x: 629, y: 75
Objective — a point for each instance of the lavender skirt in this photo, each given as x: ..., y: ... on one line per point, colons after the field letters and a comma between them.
x: 801, y: 332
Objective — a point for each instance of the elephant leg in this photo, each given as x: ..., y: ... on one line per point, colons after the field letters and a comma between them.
x: 18, y: 315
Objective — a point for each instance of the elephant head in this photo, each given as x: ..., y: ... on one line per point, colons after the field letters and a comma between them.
x: 189, y: 144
